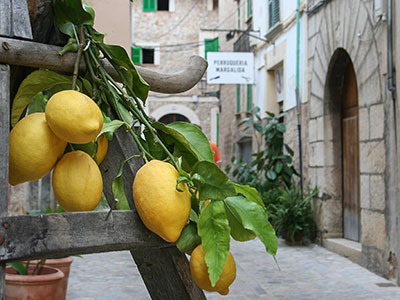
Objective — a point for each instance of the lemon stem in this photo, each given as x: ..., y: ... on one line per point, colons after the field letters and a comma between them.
x: 78, y: 58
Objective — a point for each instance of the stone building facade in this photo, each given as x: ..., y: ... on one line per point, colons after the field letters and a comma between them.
x: 167, y: 36
x: 348, y: 54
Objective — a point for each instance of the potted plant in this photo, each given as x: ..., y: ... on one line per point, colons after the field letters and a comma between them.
x: 33, y: 281
x: 292, y: 215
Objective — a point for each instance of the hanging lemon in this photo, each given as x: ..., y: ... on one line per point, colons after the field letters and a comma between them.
x: 162, y: 208
x: 102, y: 148
x: 34, y: 149
x: 77, y: 182
x: 74, y: 117
x: 199, y: 271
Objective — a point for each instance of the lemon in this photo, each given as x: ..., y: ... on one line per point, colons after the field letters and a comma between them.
x: 74, y: 117
x: 102, y: 148
x: 199, y: 271
x: 34, y: 149
x: 162, y: 208
x: 77, y: 182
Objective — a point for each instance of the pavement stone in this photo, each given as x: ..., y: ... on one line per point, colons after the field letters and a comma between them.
x: 304, y: 273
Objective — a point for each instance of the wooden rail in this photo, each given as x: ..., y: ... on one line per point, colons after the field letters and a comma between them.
x: 37, y: 55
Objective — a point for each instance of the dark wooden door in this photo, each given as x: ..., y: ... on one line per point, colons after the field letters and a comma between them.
x: 350, y: 157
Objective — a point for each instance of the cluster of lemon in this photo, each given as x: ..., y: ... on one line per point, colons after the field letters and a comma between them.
x: 165, y: 211
x: 38, y: 142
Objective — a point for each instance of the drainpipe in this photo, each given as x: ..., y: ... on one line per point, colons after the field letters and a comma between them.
x: 298, y: 95
x: 390, y: 67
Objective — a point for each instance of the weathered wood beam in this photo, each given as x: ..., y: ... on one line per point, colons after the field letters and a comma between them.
x: 4, y: 134
x: 37, y: 55
x: 14, y: 19
x: 57, y: 235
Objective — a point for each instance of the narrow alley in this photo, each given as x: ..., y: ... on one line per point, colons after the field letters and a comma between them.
x: 306, y: 273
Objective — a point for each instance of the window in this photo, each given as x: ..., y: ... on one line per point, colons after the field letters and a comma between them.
x: 143, y: 56
x: 170, y: 118
x: 273, y: 13
x: 238, y: 98
x: 147, y: 56
x: 153, y: 5
x: 249, y: 8
x: 249, y: 102
x: 210, y: 45
x: 245, y: 151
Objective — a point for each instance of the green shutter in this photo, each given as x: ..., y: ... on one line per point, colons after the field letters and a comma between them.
x: 149, y: 5
x: 238, y: 98
x: 137, y: 56
x: 217, y: 129
x: 249, y: 97
x: 210, y: 45
x: 238, y: 16
x: 249, y: 8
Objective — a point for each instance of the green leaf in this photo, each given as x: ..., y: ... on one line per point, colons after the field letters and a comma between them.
x: 156, y: 150
x: 238, y: 232
x: 37, y: 81
x: 216, y: 185
x: 271, y: 175
x: 118, y: 187
x: 72, y: 11
x: 196, y: 138
x: 213, y: 228
x: 19, y: 267
x: 253, y: 217
x: 90, y: 148
x: 112, y: 126
x: 278, y: 167
x: 132, y: 78
x: 38, y: 103
x: 289, y: 150
x: 250, y: 193
x: 189, y: 239
x: 193, y: 216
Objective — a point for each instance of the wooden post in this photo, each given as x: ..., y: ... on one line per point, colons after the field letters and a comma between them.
x: 4, y: 133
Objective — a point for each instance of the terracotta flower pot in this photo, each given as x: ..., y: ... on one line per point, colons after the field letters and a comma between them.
x: 33, y: 287
x: 64, y: 265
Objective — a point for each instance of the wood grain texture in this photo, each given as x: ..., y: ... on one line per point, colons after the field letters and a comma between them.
x: 4, y: 134
x: 57, y: 235
x: 20, y: 23
x: 37, y: 55
x: 5, y: 18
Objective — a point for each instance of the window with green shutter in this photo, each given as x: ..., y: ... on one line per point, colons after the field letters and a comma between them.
x: 249, y: 8
x: 136, y: 56
x: 249, y: 102
x: 210, y: 45
x: 238, y: 98
x: 238, y: 11
x: 273, y: 12
x: 149, y: 5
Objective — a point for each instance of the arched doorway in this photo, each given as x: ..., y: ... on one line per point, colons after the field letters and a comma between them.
x: 169, y: 118
x: 342, y: 105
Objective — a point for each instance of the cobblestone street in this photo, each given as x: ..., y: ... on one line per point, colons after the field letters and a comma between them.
x: 305, y: 273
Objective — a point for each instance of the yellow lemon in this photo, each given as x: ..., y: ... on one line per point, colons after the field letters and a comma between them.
x: 162, y: 208
x: 102, y: 148
x: 199, y: 271
x: 74, y: 117
x: 34, y: 149
x: 77, y: 182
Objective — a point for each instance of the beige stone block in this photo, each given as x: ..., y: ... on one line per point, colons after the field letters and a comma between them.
x: 370, y: 92
x: 373, y: 229
x: 320, y: 128
x: 328, y: 127
x: 364, y: 192
x: 377, y: 192
x: 377, y: 121
x: 363, y: 122
x: 316, y: 107
x: 332, y: 181
x: 316, y: 154
x: 372, y: 157
x: 312, y: 130
x: 329, y: 218
x: 312, y: 176
x: 329, y: 153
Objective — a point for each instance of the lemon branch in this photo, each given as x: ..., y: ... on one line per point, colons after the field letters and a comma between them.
x: 78, y: 58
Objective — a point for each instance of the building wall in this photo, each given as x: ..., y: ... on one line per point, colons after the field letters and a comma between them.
x: 363, y: 37
x: 176, y: 35
x: 113, y: 19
